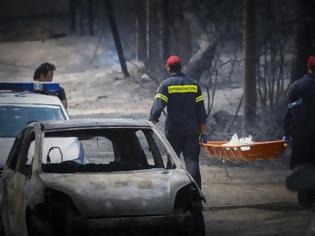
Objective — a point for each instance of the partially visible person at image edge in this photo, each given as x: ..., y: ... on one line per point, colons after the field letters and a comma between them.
x: 299, y: 123
x: 45, y: 73
x: 185, y: 124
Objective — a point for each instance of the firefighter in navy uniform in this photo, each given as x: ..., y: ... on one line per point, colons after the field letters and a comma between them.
x: 299, y: 125
x: 185, y: 124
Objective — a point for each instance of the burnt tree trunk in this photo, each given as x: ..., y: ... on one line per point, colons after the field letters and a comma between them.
x: 154, y: 58
x: 250, y: 96
x: 141, y: 30
x: 165, y: 30
x: 91, y: 17
x: 116, y: 36
x: 72, y: 11
x: 81, y: 16
x: 305, y: 38
x: 201, y: 62
x: 180, y: 39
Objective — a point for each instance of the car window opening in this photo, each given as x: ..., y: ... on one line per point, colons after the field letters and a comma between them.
x: 102, y: 150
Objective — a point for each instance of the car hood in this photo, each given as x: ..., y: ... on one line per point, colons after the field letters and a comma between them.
x: 5, y: 147
x: 130, y: 193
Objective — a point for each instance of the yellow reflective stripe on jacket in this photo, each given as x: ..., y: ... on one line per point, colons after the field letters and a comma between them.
x: 162, y: 97
x: 182, y: 89
x: 199, y: 98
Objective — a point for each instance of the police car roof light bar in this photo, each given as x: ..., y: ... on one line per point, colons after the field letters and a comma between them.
x: 31, y: 87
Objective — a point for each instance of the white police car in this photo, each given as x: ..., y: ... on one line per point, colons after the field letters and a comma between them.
x: 22, y: 103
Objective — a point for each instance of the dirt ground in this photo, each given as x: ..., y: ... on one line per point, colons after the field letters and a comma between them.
x: 250, y: 199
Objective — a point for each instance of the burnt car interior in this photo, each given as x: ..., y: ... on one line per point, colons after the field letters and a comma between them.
x: 103, y: 150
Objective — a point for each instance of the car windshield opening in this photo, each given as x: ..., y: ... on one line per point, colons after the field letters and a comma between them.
x: 101, y: 150
x: 14, y: 118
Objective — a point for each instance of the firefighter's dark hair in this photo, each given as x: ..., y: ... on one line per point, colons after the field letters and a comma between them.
x: 43, y: 69
x: 175, y: 68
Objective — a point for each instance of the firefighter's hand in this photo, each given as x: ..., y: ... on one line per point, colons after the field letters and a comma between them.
x: 203, y: 138
x: 287, y: 140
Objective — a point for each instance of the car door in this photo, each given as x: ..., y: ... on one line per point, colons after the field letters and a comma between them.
x: 15, y: 193
x: 7, y: 179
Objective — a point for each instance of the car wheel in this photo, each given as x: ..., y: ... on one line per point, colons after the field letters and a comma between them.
x: 306, y: 198
x: 38, y: 225
x: 196, y: 226
x: 2, y: 232
x: 64, y: 224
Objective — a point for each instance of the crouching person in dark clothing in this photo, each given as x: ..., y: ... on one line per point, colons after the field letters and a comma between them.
x: 299, y: 125
x: 186, y: 120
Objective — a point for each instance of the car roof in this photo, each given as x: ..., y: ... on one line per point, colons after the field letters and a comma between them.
x: 95, y: 123
x: 28, y: 98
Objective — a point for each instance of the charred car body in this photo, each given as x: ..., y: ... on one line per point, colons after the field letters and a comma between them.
x: 70, y: 177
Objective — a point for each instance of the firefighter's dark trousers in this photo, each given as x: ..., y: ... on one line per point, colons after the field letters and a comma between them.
x: 303, y: 150
x: 189, y: 146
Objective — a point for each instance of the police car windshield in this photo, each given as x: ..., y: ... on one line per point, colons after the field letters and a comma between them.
x: 13, y: 118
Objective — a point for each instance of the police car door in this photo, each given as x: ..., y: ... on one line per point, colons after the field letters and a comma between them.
x: 16, y: 211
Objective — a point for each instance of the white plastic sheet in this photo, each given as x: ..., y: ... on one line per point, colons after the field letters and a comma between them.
x: 235, y: 141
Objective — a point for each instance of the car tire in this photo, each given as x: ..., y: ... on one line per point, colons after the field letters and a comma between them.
x: 199, y: 228
x: 38, y: 225
x: 64, y: 225
x: 196, y: 226
x: 2, y: 232
x: 306, y: 198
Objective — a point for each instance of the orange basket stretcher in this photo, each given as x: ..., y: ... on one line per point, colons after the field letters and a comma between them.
x: 245, y: 152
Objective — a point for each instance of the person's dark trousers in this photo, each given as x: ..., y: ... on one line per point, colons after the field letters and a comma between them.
x: 189, y: 146
x: 303, y: 150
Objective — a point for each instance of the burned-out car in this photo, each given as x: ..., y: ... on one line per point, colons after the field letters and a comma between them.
x: 77, y: 176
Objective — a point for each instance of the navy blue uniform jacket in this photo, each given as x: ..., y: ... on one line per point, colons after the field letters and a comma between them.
x: 185, y: 105
x: 299, y: 118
